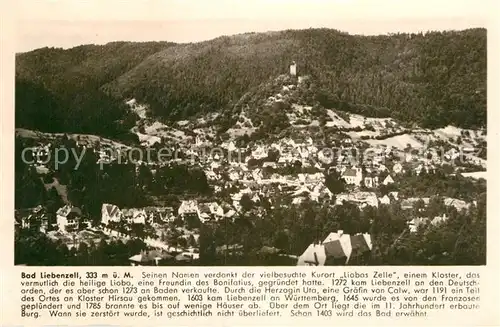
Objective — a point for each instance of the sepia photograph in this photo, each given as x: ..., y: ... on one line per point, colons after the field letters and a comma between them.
x: 241, y: 142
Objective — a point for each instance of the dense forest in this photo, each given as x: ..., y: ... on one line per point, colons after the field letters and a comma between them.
x: 36, y: 249
x: 460, y: 240
x: 431, y: 79
x: 60, y: 90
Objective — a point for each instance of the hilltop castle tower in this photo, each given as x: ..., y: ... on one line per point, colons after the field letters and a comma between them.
x: 293, y: 69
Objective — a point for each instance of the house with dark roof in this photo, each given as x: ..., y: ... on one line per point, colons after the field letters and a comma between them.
x: 69, y: 218
x: 337, y: 249
x: 204, y: 212
x: 353, y: 176
x: 188, y: 208
x: 361, y: 246
x: 32, y: 218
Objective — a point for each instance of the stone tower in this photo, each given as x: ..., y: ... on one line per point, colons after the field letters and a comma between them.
x: 293, y: 69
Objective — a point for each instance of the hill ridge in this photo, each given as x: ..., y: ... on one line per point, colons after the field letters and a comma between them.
x: 432, y: 79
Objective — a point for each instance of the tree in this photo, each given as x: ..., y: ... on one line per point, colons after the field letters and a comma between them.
x: 246, y: 202
x: 281, y: 240
x: 273, y: 155
x: 334, y: 182
x: 135, y: 246
x: 435, y: 207
x: 192, y: 241
x: 53, y: 202
x: 182, y: 242
x: 207, y: 245
x: 83, y: 254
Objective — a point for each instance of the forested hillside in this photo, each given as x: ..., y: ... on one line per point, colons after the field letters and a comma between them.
x: 433, y: 80
x: 60, y: 90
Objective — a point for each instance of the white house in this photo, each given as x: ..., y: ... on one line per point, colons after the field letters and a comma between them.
x: 371, y: 182
x: 397, y: 168
x: 385, y: 200
x: 110, y: 212
x: 188, y: 207
x: 388, y: 180
x: 353, y: 176
x: 395, y: 195
x: 68, y: 217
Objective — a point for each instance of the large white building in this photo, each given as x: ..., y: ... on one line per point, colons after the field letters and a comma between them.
x: 68, y: 218
x: 110, y: 212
